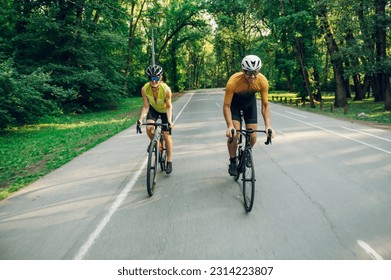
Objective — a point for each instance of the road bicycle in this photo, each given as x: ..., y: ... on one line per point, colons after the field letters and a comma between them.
x: 245, y: 162
x: 156, y: 154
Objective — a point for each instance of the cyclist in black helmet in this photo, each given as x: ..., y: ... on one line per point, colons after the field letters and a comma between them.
x: 157, y: 102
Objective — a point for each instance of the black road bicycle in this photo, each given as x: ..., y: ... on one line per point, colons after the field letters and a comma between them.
x: 245, y: 162
x: 156, y: 154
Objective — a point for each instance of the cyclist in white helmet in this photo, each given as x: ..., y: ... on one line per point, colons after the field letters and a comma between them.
x: 240, y: 96
x: 157, y: 102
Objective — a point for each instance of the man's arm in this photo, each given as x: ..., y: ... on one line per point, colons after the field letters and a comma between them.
x: 266, y: 114
x: 265, y: 109
x: 227, y: 111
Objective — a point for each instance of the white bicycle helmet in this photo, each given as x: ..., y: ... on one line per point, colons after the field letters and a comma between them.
x: 251, y: 63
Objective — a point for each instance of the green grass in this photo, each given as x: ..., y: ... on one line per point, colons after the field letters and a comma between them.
x: 32, y: 151
x: 374, y: 112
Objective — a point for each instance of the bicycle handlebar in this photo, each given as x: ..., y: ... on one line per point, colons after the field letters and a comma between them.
x: 138, y: 126
x: 249, y: 131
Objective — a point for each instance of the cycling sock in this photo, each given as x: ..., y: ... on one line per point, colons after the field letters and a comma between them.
x: 232, y: 160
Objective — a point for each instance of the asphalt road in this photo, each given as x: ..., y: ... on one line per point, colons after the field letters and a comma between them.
x: 322, y: 192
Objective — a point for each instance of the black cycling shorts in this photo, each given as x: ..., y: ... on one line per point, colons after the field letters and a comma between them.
x: 154, y: 115
x: 248, y: 104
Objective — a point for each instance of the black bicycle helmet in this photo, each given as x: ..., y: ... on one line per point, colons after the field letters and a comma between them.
x: 154, y: 70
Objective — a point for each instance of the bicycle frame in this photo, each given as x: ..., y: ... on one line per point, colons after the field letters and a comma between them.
x: 155, y: 154
x: 246, y: 165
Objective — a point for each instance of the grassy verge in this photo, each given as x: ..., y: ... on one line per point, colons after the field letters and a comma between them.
x: 32, y: 151
x: 361, y: 111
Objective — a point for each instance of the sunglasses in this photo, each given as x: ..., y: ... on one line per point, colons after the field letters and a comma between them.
x: 154, y: 79
x: 250, y: 73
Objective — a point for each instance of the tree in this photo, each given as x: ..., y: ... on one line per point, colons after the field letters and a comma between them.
x: 182, y: 25
x: 237, y: 34
x: 295, y: 31
x: 382, y: 78
x: 333, y: 49
x: 135, y: 13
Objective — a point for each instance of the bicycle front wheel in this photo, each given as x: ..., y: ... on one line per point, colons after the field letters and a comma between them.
x: 240, y: 169
x: 152, y: 168
x: 163, y: 157
x: 248, y: 178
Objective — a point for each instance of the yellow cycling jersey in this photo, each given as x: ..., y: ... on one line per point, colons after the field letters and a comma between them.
x: 237, y: 84
x: 160, y: 104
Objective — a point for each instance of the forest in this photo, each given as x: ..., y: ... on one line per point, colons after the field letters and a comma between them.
x: 76, y: 56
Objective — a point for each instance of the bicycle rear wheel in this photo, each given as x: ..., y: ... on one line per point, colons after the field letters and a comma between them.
x: 248, y: 178
x: 151, y: 168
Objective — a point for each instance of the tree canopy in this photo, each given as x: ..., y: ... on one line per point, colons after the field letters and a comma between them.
x: 61, y: 56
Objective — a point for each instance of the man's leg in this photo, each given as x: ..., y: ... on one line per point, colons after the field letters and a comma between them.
x: 168, y: 140
x: 150, y: 128
x: 253, y: 138
x: 233, y: 146
x: 232, y: 169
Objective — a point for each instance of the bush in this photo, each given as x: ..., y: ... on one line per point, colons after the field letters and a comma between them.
x: 22, y: 97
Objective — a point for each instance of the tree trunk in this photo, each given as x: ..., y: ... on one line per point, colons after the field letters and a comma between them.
x: 172, y: 66
x: 382, y: 77
x: 332, y: 47
x: 132, y: 27
x: 128, y: 57
x: 289, y: 84
x: 358, y: 89
x: 318, y: 95
x: 304, y: 71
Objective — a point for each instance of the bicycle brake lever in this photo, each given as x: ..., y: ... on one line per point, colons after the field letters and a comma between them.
x: 269, y: 137
x: 231, y: 139
x: 138, y: 128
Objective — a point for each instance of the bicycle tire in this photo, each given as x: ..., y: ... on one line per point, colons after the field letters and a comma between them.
x: 240, y: 169
x: 248, y: 177
x: 163, y: 157
x: 151, y: 168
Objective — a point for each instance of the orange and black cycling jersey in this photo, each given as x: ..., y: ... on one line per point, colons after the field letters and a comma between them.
x: 237, y: 84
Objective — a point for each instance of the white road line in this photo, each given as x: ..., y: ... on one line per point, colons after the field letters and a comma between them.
x: 369, y: 250
x: 358, y: 131
x: 335, y: 133
x: 117, y: 203
x: 114, y: 207
x: 297, y: 114
x: 184, y: 107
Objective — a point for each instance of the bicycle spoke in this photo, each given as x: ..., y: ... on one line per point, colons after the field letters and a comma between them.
x: 163, y: 157
x: 151, y: 168
x: 248, y: 178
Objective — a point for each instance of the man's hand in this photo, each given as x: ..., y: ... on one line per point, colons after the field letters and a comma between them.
x: 171, y: 125
x: 273, y: 133
x: 228, y: 133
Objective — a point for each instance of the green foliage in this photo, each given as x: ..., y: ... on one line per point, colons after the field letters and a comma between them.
x: 80, y: 56
x: 61, y: 62
x: 22, y: 97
